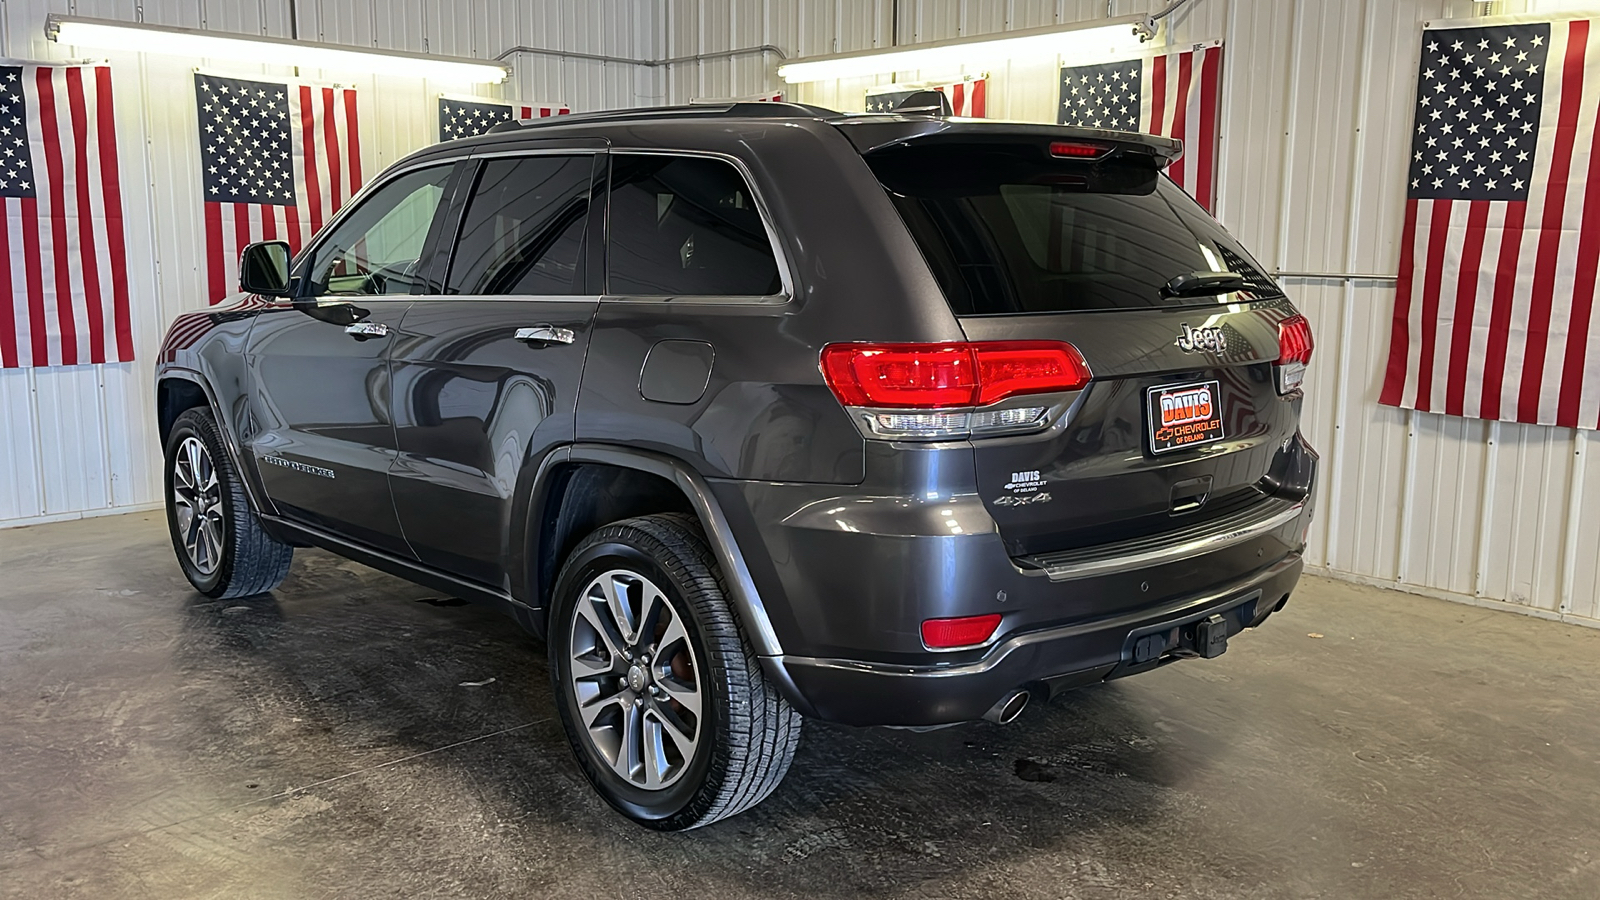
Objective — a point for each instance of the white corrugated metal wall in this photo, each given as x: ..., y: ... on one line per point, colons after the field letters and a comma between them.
x: 80, y: 439
x: 1317, y: 105
x: 1317, y: 115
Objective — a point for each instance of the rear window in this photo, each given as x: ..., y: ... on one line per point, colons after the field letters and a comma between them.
x: 1008, y: 229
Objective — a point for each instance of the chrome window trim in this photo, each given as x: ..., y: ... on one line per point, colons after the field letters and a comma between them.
x: 371, y: 187
x: 536, y: 151
x: 321, y: 237
x: 502, y: 298
x: 785, y: 271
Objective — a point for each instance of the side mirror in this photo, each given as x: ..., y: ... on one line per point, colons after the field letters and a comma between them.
x: 264, y: 269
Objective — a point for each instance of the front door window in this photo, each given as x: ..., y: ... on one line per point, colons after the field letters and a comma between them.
x: 377, y: 249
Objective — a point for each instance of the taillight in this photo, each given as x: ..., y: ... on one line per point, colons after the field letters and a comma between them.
x: 969, y: 631
x: 1294, y: 353
x: 1078, y: 149
x: 953, y: 378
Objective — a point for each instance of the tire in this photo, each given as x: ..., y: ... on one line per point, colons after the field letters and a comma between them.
x: 745, y: 735
x: 230, y: 554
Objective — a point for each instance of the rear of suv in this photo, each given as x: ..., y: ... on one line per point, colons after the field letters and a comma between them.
x: 761, y: 412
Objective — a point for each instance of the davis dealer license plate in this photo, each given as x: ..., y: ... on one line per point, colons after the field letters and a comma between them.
x: 1184, y: 415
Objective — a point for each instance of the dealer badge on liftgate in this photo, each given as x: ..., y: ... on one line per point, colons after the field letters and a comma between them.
x: 1184, y: 415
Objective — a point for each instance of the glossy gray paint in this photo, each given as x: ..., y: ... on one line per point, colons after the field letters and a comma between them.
x: 450, y: 439
x: 677, y: 371
x: 320, y: 398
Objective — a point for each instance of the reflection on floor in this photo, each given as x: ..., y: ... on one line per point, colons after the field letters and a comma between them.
x: 357, y: 736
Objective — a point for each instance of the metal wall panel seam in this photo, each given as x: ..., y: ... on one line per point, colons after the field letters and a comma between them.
x: 1544, y: 515
x: 38, y: 440
x: 1486, y: 507
x: 108, y: 499
x: 1341, y: 389
x: 1225, y: 114
x: 1286, y: 174
x: 152, y: 229
x: 1407, y: 507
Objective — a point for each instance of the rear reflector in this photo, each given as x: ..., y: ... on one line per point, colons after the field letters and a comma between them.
x: 1294, y: 353
x: 946, y: 634
x: 951, y: 375
x: 1078, y: 149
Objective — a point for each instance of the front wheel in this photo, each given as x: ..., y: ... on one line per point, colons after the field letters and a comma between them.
x: 222, y: 547
x: 660, y: 693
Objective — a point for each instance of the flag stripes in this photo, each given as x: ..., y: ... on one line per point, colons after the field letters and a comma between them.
x: 1176, y: 95
x: 541, y: 112
x: 968, y: 97
x: 1184, y: 91
x: 1496, y: 296
x: 464, y: 117
x: 317, y: 129
x: 65, y: 273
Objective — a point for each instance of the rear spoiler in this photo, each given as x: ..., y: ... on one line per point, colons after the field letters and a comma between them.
x: 875, y: 133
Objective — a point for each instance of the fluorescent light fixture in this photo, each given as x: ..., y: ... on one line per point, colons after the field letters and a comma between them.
x: 1105, y: 39
x: 105, y: 34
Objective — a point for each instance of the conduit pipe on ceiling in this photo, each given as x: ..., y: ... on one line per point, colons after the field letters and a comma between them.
x: 648, y: 63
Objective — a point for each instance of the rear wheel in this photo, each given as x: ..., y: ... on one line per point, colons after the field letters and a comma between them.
x: 659, y: 691
x: 221, y: 546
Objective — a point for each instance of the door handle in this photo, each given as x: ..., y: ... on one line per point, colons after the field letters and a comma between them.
x: 546, y: 334
x: 363, y: 330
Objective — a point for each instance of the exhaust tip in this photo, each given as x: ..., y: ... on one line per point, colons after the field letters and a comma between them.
x: 1006, y: 711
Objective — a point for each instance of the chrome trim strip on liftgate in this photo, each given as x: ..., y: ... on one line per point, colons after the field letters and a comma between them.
x: 1237, y: 529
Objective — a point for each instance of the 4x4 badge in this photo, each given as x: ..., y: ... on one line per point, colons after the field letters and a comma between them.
x: 1193, y: 340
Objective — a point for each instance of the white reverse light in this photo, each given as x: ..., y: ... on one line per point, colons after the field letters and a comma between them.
x: 104, y: 34
x: 1089, y: 41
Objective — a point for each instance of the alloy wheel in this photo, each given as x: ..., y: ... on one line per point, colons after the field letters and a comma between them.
x: 636, y: 679
x: 197, y: 503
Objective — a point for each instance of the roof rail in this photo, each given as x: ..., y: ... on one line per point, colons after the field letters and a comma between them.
x: 747, y: 109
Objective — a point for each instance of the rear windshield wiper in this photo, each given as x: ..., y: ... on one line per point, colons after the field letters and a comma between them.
x: 1200, y: 284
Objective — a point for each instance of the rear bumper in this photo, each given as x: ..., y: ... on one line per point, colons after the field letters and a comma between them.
x: 1046, y: 661
x: 847, y: 574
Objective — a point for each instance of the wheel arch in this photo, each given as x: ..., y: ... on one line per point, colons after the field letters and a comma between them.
x: 179, y: 390
x: 627, y: 482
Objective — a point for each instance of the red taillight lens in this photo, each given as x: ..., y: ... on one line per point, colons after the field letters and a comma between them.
x: 968, y: 631
x: 1294, y: 353
x: 1078, y: 149
x: 1294, y: 340
x: 945, y: 376
x: 919, y: 376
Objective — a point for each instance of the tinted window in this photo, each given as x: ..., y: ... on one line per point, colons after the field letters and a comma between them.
x: 376, y: 249
x: 686, y: 226
x: 1011, y: 230
x: 524, y: 228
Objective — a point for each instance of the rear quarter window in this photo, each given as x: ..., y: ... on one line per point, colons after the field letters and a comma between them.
x: 685, y: 226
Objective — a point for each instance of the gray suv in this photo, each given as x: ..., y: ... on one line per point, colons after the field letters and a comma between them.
x: 760, y: 412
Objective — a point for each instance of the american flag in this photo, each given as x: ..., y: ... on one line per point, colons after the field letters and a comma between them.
x: 969, y: 97
x: 65, y: 280
x: 469, y: 118
x: 277, y: 160
x: 1176, y: 95
x: 1501, y: 241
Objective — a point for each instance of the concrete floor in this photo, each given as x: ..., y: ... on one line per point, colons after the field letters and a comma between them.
x: 356, y: 736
